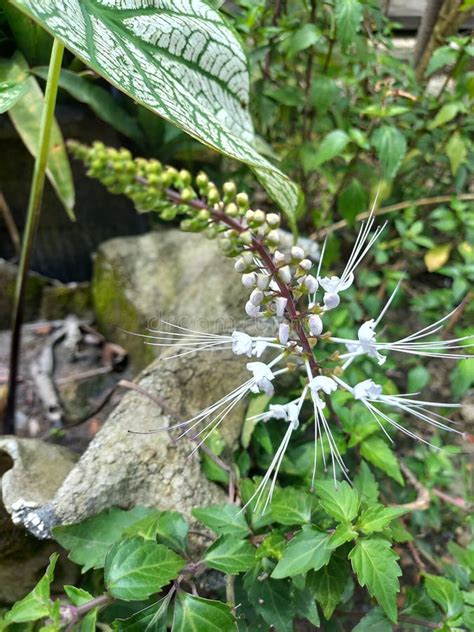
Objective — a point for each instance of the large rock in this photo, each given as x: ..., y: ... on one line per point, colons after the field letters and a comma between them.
x: 167, y: 274
x: 184, y: 279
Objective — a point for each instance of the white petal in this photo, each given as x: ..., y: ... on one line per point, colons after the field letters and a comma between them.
x: 331, y: 301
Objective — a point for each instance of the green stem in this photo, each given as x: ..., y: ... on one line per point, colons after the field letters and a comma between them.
x: 32, y: 218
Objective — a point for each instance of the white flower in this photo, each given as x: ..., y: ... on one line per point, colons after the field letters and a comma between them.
x: 321, y: 383
x: 367, y: 341
x: 259, y: 348
x: 297, y: 253
x: 262, y: 378
x: 306, y: 264
x: 252, y: 310
x: 242, y: 343
x: 279, y: 257
x: 367, y: 389
x: 334, y: 284
x: 315, y: 325
x: 331, y: 301
x: 283, y: 333
x: 310, y: 283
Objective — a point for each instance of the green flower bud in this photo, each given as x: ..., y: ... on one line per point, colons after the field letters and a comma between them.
x: 273, y: 220
x: 231, y: 210
x: 229, y: 189
x: 185, y: 177
x: 242, y: 200
x: 213, y: 196
x: 188, y: 194
x: 259, y: 217
x: 203, y: 215
x: 246, y: 238
x: 273, y: 237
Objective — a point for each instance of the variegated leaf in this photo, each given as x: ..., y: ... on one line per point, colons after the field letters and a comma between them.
x: 177, y: 57
x: 10, y: 92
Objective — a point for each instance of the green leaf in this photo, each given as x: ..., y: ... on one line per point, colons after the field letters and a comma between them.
x: 391, y: 146
x: 168, y: 527
x: 445, y: 115
x: 375, y: 564
x: 101, y: 102
x: 366, y: 485
x: 78, y: 597
x: 185, y: 64
x: 343, y: 533
x: 443, y: 56
x: 309, y: 549
x: 418, y: 378
x: 272, y: 600
x: 462, y: 377
x: 291, y: 506
x: 36, y: 605
x: 230, y: 555
x: 456, y: 151
x: 305, y: 606
x: 374, y: 621
x: 331, y: 146
x: 202, y: 615
x: 26, y: 118
x: 90, y: 540
x: 257, y: 405
x: 377, y: 452
x: 151, y: 619
x: 135, y: 569
x: 348, y: 18
x: 377, y: 517
x: 353, y: 200
x: 328, y: 584
x: 10, y: 92
x: 341, y: 502
x: 445, y: 593
x: 225, y: 519
x: 303, y: 38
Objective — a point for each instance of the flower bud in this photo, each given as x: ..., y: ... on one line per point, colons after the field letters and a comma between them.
x: 263, y: 281
x: 240, y: 265
x: 202, y: 180
x: 283, y: 333
x: 248, y: 256
x: 306, y: 264
x: 279, y: 257
x: 259, y: 217
x: 249, y: 215
x: 231, y: 210
x: 297, y: 253
x: 203, y: 215
x: 229, y: 189
x: 315, y: 325
x: 249, y: 280
x: 256, y: 297
x: 242, y: 200
x: 311, y: 284
x: 280, y: 305
x: 285, y: 274
x: 246, y: 238
x: 213, y: 196
x: 252, y: 310
x: 273, y: 220
x: 331, y: 301
x: 185, y: 177
x: 273, y: 237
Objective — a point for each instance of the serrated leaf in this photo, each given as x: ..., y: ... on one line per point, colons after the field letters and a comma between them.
x: 230, y: 555
x: 272, y: 601
x: 185, y: 64
x: 443, y: 56
x: 305, y: 606
x: 303, y: 38
x: 445, y: 593
x: 348, y: 15
x: 343, y: 533
x: 89, y: 541
x: 151, y: 619
x: 377, y: 517
x: 330, y: 147
x: 375, y: 564
x: 202, y: 615
x: 168, y: 527
x: 445, y: 115
x: 101, y: 102
x: 341, y: 502
x: 78, y: 597
x: 309, y: 549
x: 328, y: 584
x: 36, y: 605
x: 135, y: 569
x: 25, y: 114
x: 456, y: 151
x: 353, y: 200
x: 291, y: 506
x: 366, y: 485
x: 225, y: 519
x: 391, y: 146
x: 374, y: 621
x: 377, y: 452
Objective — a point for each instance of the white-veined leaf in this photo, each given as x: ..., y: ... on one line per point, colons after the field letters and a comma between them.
x: 180, y: 59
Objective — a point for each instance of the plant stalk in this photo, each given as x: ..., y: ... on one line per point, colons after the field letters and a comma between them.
x: 32, y: 218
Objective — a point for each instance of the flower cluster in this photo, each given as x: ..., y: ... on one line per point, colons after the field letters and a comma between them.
x: 283, y: 287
